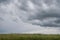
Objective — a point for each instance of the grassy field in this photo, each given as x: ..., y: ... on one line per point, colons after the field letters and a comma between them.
x: 29, y: 37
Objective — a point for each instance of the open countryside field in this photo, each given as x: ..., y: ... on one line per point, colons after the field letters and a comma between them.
x: 29, y: 37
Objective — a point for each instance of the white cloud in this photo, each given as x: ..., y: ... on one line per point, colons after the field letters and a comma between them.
x: 31, y: 5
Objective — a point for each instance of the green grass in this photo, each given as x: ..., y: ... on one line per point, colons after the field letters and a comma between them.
x: 29, y: 37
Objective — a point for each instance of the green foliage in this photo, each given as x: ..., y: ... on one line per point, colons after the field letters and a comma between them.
x: 29, y: 37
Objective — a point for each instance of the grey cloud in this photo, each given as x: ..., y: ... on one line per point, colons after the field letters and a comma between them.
x: 18, y: 18
x: 57, y: 21
x: 24, y: 7
x: 3, y: 1
x: 51, y: 12
x: 1, y: 19
x: 41, y: 14
x: 50, y: 25
x: 36, y: 2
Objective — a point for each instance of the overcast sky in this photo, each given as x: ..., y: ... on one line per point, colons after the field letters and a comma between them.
x: 30, y: 16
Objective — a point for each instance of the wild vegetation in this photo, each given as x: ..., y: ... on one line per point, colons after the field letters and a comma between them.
x: 29, y: 37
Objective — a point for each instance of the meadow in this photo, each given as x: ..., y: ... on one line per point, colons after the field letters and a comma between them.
x: 29, y: 37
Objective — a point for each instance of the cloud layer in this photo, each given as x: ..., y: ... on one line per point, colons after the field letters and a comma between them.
x: 48, y: 12
x: 30, y: 16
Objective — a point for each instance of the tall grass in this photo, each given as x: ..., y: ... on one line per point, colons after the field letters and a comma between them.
x: 29, y: 37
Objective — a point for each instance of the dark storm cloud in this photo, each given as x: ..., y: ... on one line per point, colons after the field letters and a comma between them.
x: 43, y: 15
x: 52, y: 11
x: 57, y: 21
x: 24, y: 7
x: 50, y: 25
x: 2, y: 1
